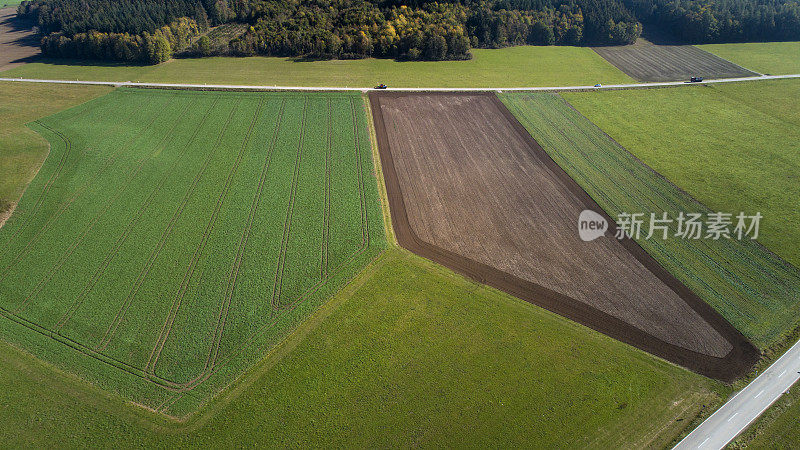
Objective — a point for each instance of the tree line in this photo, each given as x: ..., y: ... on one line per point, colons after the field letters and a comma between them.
x: 150, y: 30
x: 130, y: 30
x: 708, y: 21
x: 150, y: 48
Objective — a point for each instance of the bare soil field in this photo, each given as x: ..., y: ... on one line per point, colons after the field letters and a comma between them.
x: 469, y: 188
x: 17, y: 43
x: 646, y: 61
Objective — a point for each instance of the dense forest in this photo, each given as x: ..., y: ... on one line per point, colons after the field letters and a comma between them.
x: 130, y: 30
x: 151, y: 31
x: 706, y: 21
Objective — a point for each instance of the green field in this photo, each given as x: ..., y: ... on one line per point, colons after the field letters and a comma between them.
x: 751, y: 287
x: 172, y: 237
x: 513, y: 66
x: 774, y: 58
x: 407, y: 354
x: 22, y: 151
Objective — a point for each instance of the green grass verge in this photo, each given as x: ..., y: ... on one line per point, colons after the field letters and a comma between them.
x: 507, y: 67
x: 408, y: 353
x: 171, y: 237
x: 751, y: 287
x: 22, y: 151
x: 774, y: 58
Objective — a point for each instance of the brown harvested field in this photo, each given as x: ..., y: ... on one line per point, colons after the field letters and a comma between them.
x: 646, y: 61
x: 470, y: 189
x: 17, y: 44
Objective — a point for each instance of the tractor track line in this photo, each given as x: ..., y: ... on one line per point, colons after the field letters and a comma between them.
x: 181, y: 388
x: 213, y: 368
x: 112, y: 329
x: 155, y: 354
x: 53, y: 177
x: 278, y: 284
x: 57, y: 174
x: 83, y: 235
x: 222, y: 317
x: 129, y: 228
x: 109, y: 162
x: 365, y: 240
x: 326, y: 226
x: 361, y: 187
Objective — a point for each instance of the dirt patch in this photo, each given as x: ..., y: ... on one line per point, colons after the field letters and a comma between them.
x: 18, y: 44
x: 646, y: 61
x: 6, y: 209
x: 469, y: 188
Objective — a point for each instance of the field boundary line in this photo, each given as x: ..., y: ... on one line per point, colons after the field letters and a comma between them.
x: 64, y: 206
x: 67, y: 253
x: 738, y: 360
x: 111, y: 331
x: 383, y: 196
x: 215, y: 365
x: 56, y: 175
x: 124, y: 236
x: 184, y: 286
x: 53, y: 177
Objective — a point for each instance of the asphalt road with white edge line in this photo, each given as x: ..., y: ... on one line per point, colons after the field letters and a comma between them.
x: 419, y: 89
x: 745, y: 407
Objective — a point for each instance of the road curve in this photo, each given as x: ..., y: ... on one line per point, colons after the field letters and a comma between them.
x: 420, y: 89
x: 745, y: 407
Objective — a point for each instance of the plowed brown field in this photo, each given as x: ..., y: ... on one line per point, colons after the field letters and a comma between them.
x: 469, y: 188
x: 649, y: 62
x: 18, y: 44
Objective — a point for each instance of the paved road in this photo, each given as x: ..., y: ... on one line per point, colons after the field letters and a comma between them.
x: 307, y: 88
x: 741, y: 410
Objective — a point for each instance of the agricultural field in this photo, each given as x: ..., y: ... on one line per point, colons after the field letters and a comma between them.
x: 171, y: 238
x: 646, y: 61
x: 17, y: 43
x: 506, y: 67
x: 385, y: 363
x: 22, y: 151
x: 753, y: 288
x: 774, y: 58
x: 469, y: 189
x: 738, y: 152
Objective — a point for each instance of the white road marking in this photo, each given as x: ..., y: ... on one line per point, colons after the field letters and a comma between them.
x: 720, y: 429
x: 417, y: 89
